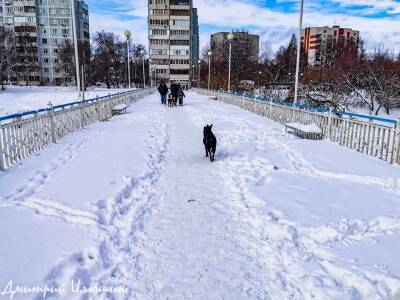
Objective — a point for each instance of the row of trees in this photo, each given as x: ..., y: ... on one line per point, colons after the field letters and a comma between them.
x: 18, y: 56
x: 347, y: 76
x: 7, y: 51
x: 106, y: 61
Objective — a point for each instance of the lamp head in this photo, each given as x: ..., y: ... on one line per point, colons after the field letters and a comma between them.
x: 127, y: 34
x: 231, y: 36
x: 209, y: 53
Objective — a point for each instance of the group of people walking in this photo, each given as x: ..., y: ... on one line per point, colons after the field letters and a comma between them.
x: 176, y: 94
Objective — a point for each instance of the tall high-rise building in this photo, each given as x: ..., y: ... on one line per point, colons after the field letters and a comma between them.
x: 170, y: 40
x: 19, y: 18
x: 40, y: 28
x: 320, y: 42
x: 195, y: 51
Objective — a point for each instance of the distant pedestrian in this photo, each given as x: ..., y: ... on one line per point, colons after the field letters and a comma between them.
x: 163, y: 90
x: 181, y: 95
x: 174, y: 90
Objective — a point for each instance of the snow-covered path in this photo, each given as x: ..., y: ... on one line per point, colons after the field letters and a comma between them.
x: 133, y: 203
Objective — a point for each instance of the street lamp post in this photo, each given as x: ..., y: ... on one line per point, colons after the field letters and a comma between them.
x: 75, y: 37
x: 150, y: 73
x: 199, y: 70
x: 142, y: 52
x: 127, y: 34
x: 193, y: 73
x: 296, y: 85
x: 230, y: 39
x: 209, y: 68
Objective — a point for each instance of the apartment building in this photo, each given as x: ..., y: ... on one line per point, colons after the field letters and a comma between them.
x: 318, y: 42
x: 19, y: 18
x: 195, y: 51
x: 170, y: 40
x: 40, y: 28
x: 243, y: 42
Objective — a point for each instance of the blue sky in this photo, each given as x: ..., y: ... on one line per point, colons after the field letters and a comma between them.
x: 273, y: 20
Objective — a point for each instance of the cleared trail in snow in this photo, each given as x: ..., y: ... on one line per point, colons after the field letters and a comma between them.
x: 171, y: 225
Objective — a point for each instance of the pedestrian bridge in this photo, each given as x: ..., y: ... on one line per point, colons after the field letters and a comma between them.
x: 133, y: 203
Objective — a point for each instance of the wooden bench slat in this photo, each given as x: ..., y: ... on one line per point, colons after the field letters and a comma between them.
x: 303, y: 134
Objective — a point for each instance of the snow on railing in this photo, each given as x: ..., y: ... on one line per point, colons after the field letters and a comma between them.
x: 374, y: 136
x: 24, y: 134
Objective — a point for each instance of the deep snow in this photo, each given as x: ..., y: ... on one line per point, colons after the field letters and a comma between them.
x: 133, y: 202
x: 17, y: 99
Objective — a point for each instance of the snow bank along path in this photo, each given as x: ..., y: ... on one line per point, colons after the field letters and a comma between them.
x: 134, y: 203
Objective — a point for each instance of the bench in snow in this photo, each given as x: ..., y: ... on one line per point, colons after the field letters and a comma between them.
x: 119, y: 109
x: 310, y: 131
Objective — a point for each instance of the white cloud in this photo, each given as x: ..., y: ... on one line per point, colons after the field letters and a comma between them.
x: 272, y: 25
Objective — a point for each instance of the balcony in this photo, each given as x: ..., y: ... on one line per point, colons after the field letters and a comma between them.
x: 158, y: 6
x: 179, y: 57
x: 159, y: 37
x: 180, y: 37
x: 180, y: 67
x: 179, y: 4
x: 180, y: 7
x: 179, y: 77
x: 159, y: 56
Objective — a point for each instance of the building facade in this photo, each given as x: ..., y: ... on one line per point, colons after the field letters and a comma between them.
x: 170, y: 40
x: 40, y: 28
x: 195, y: 51
x: 243, y: 42
x: 319, y: 42
x: 19, y: 18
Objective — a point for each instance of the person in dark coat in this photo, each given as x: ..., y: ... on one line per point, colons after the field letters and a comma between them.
x: 174, y: 90
x: 181, y: 95
x: 163, y: 90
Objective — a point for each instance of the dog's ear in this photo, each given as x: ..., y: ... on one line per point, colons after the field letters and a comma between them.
x: 211, y: 126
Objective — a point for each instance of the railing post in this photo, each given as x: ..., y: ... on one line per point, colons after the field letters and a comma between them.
x: 52, y: 124
x: 329, y: 133
x: 396, y: 150
x: 98, y: 109
x: 292, y: 114
x: 81, y: 107
x: 270, y: 108
x: 2, y: 151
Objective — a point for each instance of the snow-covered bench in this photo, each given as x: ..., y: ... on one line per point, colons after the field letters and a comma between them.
x: 119, y: 109
x: 310, y: 131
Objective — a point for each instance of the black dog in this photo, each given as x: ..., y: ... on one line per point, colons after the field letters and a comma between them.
x: 210, y: 142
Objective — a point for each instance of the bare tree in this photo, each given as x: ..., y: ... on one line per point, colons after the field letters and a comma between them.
x: 66, y: 56
x: 108, y: 58
x: 266, y: 54
x: 7, y: 54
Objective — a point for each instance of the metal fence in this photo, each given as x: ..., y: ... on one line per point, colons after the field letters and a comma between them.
x: 24, y: 134
x: 375, y: 137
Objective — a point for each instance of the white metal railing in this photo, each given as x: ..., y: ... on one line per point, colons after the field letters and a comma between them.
x: 373, y: 139
x: 24, y: 134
